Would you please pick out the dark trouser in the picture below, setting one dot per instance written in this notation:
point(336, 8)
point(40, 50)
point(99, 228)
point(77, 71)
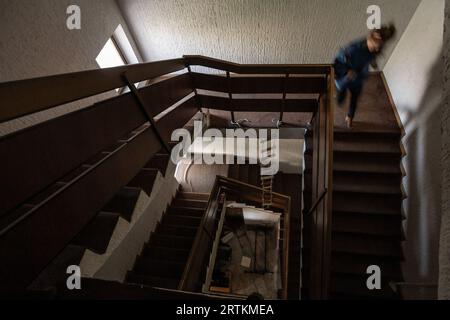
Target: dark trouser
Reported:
point(355, 88)
point(356, 92)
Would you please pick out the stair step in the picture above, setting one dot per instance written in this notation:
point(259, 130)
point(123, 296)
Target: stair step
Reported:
point(189, 203)
point(358, 264)
point(181, 220)
point(159, 162)
point(193, 196)
point(97, 234)
point(145, 180)
point(191, 212)
point(166, 253)
point(388, 226)
point(158, 268)
point(177, 230)
point(176, 242)
point(159, 282)
point(356, 286)
point(360, 142)
point(367, 203)
point(124, 202)
point(366, 245)
point(366, 183)
point(382, 164)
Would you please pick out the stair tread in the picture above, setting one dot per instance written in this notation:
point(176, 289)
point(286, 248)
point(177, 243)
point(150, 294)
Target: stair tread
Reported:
point(166, 253)
point(159, 161)
point(124, 202)
point(145, 180)
point(172, 241)
point(365, 163)
point(161, 282)
point(180, 230)
point(367, 203)
point(366, 245)
point(97, 234)
point(356, 285)
point(193, 195)
point(190, 203)
point(366, 148)
point(358, 264)
point(367, 224)
point(366, 183)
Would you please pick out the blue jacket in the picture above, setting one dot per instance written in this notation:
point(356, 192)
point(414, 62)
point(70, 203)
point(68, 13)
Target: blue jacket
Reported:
point(357, 57)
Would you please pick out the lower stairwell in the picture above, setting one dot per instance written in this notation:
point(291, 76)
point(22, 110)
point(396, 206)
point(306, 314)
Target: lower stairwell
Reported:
point(164, 257)
point(290, 185)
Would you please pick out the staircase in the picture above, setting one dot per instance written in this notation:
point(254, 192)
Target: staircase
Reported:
point(164, 256)
point(96, 235)
point(367, 217)
point(101, 160)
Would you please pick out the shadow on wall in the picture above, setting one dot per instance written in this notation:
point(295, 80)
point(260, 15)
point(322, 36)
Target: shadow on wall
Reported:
point(423, 188)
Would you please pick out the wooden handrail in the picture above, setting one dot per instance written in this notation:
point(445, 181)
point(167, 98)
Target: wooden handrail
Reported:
point(198, 60)
point(23, 97)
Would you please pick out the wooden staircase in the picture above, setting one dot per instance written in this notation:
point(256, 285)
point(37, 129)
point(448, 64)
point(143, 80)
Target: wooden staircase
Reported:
point(367, 216)
point(164, 257)
point(96, 235)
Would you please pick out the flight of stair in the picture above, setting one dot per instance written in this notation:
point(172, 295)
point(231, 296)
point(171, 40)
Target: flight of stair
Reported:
point(367, 216)
point(165, 255)
point(97, 234)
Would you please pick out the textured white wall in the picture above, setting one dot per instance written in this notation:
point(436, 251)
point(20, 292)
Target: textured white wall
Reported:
point(255, 31)
point(35, 42)
point(444, 262)
point(414, 76)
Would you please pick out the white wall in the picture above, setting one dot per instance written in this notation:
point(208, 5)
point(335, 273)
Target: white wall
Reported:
point(414, 73)
point(444, 276)
point(255, 31)
point(35, 42)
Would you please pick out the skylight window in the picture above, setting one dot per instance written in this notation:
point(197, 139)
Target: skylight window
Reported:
point(110, 56)
point(117, 52)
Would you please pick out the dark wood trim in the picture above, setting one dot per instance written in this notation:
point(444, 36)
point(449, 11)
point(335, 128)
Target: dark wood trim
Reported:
point(230, 97)
point(161, 95)
point(260, 105)
point(24, 97)
point(256, 68)
point(177, 118)
point(283, 104)
point(38, 156)
point(147, 111)
point(26, 249)
point(260, 84)
point(392, 103)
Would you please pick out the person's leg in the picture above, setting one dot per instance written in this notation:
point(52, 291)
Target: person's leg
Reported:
point(355, 92)
point(341, 89)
